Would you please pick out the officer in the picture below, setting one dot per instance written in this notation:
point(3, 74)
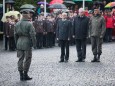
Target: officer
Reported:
point(97, 31)
point(24, 34)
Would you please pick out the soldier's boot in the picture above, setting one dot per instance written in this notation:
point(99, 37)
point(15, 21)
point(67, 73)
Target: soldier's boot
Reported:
point(94, 59)
point(21, 75)
point(98, 58)
point(26, 77)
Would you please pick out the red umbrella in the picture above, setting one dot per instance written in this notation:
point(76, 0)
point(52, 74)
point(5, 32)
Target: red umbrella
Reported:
point(56, 1)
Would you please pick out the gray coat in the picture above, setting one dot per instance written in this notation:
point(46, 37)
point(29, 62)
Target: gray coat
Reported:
point(63, 29)
point(97, 26)
point(24, 34)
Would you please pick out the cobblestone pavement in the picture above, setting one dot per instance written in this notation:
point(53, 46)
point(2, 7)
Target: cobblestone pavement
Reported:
point(46, 71)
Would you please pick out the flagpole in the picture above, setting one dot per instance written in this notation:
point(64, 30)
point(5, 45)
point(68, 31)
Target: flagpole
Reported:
point(45, 8)
point(84, 4)
point(3, 7)
point(3, 24)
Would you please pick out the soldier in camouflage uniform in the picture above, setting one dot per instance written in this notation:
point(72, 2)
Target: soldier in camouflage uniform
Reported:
point(24, 33)
point(97, 31)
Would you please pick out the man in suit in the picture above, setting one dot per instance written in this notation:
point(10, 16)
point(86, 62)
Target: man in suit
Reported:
point(24, 34)
point(81, 25)
point(63, 35)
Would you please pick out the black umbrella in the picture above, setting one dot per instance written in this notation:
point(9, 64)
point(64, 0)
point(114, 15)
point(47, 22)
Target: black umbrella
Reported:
point(98, 3)
point(58, 6)
point(69, 2)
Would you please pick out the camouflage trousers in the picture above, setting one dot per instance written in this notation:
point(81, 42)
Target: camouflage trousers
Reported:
point(96, 45)
point(24, 59)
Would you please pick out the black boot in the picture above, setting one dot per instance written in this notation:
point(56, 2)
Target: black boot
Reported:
point(21, 75)
point(98, 58)
point(94, 59)
point(26, 77)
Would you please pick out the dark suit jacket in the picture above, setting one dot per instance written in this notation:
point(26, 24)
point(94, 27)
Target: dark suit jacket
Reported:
point(63, 29)
point(81, 26)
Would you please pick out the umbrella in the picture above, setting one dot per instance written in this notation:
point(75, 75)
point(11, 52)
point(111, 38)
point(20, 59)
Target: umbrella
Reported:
point(10, 13)
point(98, 3)
point(27, 6)
point(81, 0)
point(58, 6)
point(69, 2)
point(32, 11)
point(109, 5)
point(41, 2)
point(56, 1)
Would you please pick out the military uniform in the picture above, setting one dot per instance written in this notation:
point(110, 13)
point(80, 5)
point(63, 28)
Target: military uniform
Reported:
point(39, 28)
point(97, 31)
point(50, 32)
point(6, 26)
point(10, 35)
point(25, 38)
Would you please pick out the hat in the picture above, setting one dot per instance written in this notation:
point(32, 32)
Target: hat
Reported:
point(27, 11)
point(81, 10)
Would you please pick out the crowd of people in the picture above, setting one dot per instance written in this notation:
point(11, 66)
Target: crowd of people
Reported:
point(45, 28)
point(66, 29)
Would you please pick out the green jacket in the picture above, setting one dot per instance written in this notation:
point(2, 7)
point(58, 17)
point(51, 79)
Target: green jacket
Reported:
point(24, 34)
point(97, 26)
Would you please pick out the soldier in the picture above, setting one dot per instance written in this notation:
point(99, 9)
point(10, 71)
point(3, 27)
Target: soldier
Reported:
point(63, 35)
point(6, 26)
point(39, 28)
point(50, 31)
point(25, 38)
point(10, 33)
point(97, 31)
